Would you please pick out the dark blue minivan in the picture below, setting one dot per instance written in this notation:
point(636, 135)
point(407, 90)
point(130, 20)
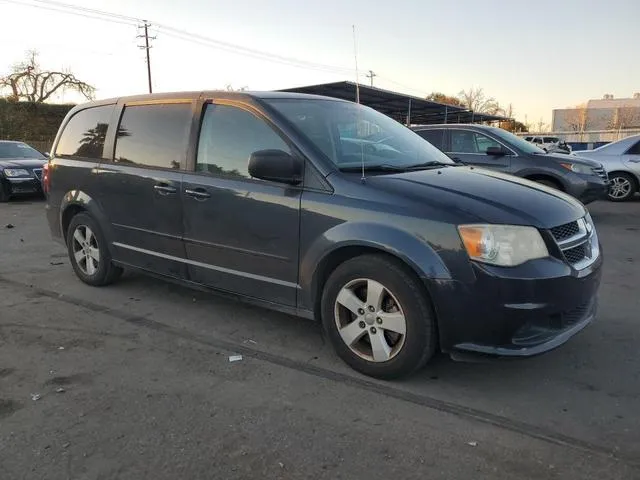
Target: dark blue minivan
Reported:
point(325, 209)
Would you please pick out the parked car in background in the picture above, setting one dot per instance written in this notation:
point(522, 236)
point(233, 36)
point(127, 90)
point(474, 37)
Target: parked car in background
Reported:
point(621, 159)
point(497, 149)
point(20, 169)
point(549, 144)
point(268, 197)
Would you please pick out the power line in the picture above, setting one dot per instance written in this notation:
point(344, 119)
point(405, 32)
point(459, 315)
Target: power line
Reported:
point(71, 12)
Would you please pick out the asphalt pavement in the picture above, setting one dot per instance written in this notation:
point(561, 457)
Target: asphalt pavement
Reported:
point(134, 381)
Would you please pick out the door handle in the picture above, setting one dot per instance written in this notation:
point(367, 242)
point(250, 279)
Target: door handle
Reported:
point(164, 189)
point(198, 193)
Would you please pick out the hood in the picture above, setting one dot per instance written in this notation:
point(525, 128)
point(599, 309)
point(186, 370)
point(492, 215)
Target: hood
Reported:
point(564, 158)
point(21, 163)
point(472, 194)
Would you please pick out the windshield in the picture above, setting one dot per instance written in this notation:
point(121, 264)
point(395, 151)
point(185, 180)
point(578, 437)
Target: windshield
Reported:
point(518, 142)
point(350, 135)
point(18, 150)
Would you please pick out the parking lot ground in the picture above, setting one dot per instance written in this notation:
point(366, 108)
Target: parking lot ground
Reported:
point(134, 381)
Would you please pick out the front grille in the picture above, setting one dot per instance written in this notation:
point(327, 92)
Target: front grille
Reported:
point(575, 242)
point(601, 172)
point(575, 254)
point(37, 172)
point(565, 231)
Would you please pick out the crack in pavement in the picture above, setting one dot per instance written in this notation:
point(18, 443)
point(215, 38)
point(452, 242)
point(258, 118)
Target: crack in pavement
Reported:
point(539, 433)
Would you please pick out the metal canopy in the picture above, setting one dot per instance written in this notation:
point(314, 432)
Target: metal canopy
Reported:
point(403, 108)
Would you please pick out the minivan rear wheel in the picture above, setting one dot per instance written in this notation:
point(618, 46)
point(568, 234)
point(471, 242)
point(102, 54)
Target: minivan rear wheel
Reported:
point(88, 252)
point(378, 317)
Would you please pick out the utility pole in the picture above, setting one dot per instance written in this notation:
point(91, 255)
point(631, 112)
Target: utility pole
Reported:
point(147, 47)
point(371, 75)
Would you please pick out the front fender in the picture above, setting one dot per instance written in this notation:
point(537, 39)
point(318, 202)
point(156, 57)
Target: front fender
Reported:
point(84, 201)
point(416, 253)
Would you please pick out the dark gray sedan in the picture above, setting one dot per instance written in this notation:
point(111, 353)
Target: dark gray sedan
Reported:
point(497, 149)
point(20, 169)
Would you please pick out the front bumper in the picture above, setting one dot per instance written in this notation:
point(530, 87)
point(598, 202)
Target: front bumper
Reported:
point(19, 185)
point(517, 312)
point(589, 188)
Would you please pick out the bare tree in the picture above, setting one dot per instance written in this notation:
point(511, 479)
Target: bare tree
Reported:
point(475, 99)
point(29, 82)
point(577, 118)
point(230, 88)
point(541, 126)
point(624, 117)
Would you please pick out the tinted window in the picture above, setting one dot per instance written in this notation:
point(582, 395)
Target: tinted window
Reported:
point(434, 137)
point(551, 139)
point(18, 150)
point(634, 150)
point(537, 140)
point(464, 141)
point(84, 134)
point(228, 137)
point(153, 135)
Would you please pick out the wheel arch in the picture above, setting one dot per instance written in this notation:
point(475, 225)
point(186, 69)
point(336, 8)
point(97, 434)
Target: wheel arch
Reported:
point(77, 201)
point(633, 175)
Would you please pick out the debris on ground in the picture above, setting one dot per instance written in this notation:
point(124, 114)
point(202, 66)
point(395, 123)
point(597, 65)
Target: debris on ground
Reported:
point(235, 358)
point(56, 263)
point(60, 390)
point(252, 342)
point(35, 397)
point(60, 348)
point(472, 444)
point(281, 464)
point(9, 225)
point(66, 445)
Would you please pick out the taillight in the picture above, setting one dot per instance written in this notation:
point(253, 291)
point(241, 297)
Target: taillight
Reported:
point(46, 181)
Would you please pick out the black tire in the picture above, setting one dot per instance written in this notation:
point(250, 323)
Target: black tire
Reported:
point(106, 272)
point(4, 192)
point(622, 178)
point(420, 339)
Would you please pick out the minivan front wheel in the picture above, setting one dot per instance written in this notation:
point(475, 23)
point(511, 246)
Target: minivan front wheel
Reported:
point(378, 317)
point(88, 252)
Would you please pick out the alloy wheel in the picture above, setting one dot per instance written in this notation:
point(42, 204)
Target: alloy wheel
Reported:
point(370, 320)
point(86, 251)
point(620, 187)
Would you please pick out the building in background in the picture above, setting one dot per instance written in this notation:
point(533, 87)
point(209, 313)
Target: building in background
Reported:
point(598, 121)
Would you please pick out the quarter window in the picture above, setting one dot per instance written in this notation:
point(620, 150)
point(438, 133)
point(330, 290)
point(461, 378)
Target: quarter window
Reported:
point(84, 134)
point(153, 135)
point(228, 137)
point(634, 150)
point(464, 141)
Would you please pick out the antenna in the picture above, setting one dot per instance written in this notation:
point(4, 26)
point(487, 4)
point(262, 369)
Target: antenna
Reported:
point(355, 56)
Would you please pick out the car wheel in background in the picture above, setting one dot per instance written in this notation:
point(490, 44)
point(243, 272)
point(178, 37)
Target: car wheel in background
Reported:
point(623, 187)
point(88, 252)
point(378, 317)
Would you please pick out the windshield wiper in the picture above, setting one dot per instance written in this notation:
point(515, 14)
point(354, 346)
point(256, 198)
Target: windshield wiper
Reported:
point(374, 168)
point(432, 163)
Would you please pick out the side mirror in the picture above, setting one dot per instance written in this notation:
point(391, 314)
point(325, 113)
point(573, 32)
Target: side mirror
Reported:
point(275, 166)
point(496, 151)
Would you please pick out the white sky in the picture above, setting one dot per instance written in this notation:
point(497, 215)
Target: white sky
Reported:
point(537, 55)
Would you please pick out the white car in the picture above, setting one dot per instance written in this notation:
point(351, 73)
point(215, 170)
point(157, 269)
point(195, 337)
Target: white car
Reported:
point(549, 144)
point(621, 160)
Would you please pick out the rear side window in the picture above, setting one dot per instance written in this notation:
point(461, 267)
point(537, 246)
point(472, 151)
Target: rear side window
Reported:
point(434, 137)
point(229, 136)
point(153, 135)
point(550, 139)
point(634, 150)
point(84, 134)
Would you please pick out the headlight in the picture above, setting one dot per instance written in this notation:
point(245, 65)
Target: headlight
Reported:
point(504, 245)
point(577, 168)
point(16, 172)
